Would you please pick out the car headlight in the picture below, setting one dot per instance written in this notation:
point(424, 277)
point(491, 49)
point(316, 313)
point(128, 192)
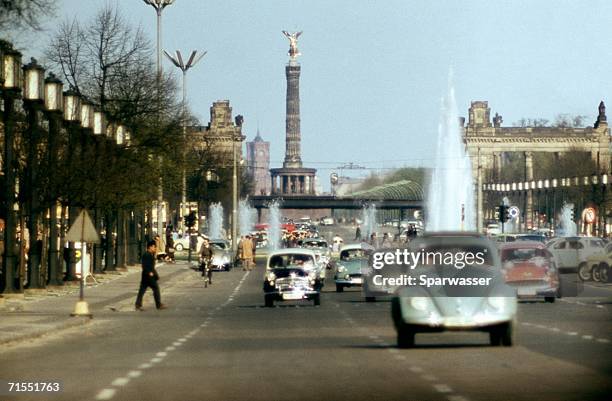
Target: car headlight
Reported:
point(497, 302)
point(341, 268)
point(419, 303)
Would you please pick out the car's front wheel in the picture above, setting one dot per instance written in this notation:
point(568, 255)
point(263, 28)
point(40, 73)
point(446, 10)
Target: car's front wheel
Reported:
point(550, 300)
point(584, 272)
point(604, 273)
point(501, 335)
point(178, 247)
point(370, 299)
point(596, 273)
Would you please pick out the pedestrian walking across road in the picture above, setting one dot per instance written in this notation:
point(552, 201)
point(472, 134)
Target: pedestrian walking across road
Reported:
point(149, 277)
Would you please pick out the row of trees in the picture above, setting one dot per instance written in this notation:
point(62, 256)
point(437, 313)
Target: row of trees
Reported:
point(110, 63)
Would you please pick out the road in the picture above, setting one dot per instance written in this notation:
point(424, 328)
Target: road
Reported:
point(220, 343)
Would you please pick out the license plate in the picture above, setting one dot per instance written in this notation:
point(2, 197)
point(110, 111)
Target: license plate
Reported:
point(293, 296)
point(357, 280)
point(526, 291)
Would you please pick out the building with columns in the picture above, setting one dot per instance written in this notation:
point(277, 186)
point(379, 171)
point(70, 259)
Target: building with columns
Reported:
point(487, 142)
point(258, 164)
point(293, 178)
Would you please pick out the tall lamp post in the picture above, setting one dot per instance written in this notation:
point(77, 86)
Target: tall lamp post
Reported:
point(72, 118)
point(33, 99)
point(53, 110)
point(159, 6)
point(237, 139)
point(10, 63)
point(191, 62)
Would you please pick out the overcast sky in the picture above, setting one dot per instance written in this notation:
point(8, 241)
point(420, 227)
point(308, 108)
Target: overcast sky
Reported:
point(374, 72)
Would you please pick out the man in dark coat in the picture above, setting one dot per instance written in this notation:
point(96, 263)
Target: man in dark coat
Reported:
point(149, 277)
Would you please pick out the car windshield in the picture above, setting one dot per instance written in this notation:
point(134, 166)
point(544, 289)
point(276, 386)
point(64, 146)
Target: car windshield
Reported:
point(358, 253)
point(292, 259)
point(218, 245)
point(539, 238)
point(315, 244)
point(522, 254)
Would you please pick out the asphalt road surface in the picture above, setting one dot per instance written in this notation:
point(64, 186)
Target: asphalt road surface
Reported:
point(220, 343)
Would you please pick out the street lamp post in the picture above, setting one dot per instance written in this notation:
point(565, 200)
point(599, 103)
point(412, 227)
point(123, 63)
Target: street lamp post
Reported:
point(191, 62)
point(237, 139)
point(53, 110)
point(159, 6)
point(72, 117)
point(33, 100)
point(10, 63)
point(99, 131)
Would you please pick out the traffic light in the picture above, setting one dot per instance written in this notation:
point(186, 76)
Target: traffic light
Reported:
point(190, 219)
point(503, 211)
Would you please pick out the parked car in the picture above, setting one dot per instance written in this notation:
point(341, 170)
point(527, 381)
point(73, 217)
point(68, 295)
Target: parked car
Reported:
point(423, 309)
point(597, 266)
point(222, 257)
point(182, 243)
point(349, 267)
point(571, 253)
point(292, 275)
point(530, 268)
point(327, 221)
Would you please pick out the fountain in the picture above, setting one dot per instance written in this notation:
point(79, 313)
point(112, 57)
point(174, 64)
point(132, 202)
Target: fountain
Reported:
point(567, 226)
point(215, 221)
point(368, 214)
point(246, 217)
point(274, 225)
point(450, 202)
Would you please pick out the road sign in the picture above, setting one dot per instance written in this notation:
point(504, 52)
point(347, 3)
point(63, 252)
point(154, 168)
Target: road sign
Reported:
point(83, 230)
point(514, 212)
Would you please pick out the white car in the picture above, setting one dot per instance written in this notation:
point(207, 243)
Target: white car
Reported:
point(571, 252)
point(181, 244)
point(423, 309)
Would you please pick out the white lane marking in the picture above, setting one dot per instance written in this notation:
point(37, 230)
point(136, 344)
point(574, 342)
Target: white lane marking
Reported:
point(170, 348)
point(392, 350)
point(416, 369)
point(134, 374)
point(587, 337)
point(455, 397)
point(555, 329)
point(161, 354)
point(429, 378)
point(156, 360)
point(442, 388)
point(182, 340)
point(120, 381)
point(603, 340)
point(144, 366)
point(106, 394)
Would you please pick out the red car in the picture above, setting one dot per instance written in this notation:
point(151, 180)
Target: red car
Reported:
point(530, 268)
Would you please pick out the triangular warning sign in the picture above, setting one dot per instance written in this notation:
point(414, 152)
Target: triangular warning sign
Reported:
point(83, 230)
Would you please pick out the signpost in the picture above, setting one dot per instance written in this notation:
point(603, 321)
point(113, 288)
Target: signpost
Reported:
point(83, 231)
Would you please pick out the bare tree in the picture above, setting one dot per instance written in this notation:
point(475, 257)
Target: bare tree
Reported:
point(24, 14)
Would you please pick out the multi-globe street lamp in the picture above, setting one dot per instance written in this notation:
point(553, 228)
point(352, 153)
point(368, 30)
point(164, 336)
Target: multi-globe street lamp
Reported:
point(10, 65)
point(184, 67)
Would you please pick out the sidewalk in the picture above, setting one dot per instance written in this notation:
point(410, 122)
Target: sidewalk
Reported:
point(42, 312)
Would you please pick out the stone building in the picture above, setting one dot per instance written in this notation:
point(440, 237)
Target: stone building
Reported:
point(487, 142)
point(258, 164)
point(220, 132)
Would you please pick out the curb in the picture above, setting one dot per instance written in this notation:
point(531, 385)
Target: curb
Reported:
point(43, 331)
